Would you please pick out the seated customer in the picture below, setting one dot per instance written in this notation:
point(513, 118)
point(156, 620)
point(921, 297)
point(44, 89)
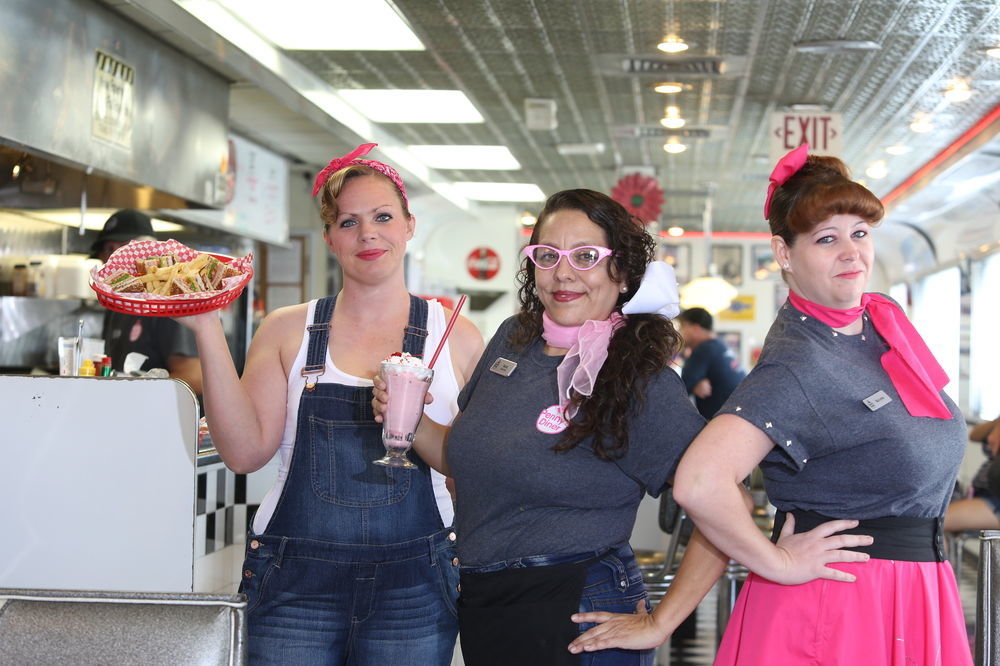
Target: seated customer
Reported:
point(982, 510)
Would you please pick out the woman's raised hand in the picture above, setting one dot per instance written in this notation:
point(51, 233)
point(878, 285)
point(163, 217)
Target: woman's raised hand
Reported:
point(637, 631)
point(200, 321)
point(805, 556)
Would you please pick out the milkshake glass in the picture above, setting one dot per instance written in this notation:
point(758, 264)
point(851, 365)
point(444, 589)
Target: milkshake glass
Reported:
point(407, 381)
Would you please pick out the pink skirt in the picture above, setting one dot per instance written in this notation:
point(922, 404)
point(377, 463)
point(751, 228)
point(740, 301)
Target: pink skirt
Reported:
point(895, 614)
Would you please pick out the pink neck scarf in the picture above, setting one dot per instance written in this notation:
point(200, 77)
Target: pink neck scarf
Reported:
point(914, 372)
point(588, 349)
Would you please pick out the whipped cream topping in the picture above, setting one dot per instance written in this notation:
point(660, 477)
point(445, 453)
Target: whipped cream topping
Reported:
point(405, 358)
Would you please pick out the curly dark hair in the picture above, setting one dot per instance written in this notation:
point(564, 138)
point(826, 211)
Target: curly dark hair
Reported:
point(639, 349)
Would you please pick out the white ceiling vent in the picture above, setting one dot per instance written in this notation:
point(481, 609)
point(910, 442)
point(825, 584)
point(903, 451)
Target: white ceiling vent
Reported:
point(677, 67)
point(659, 132)
point(540, 114)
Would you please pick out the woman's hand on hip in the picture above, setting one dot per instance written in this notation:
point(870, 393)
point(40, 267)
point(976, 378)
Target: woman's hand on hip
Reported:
point(805, 556)
point(637, 631)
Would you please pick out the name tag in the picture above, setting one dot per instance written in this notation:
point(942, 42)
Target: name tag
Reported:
point(503, 367)
point(550, 420)
point(877, 400)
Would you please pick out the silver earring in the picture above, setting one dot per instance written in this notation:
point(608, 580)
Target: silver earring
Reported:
point(785, 266)
point(623, 288)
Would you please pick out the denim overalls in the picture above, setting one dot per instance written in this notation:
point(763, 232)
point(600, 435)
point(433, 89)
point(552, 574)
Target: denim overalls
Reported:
point(355, 566)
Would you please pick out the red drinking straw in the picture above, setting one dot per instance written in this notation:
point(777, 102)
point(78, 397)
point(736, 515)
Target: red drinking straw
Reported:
point(447, 330)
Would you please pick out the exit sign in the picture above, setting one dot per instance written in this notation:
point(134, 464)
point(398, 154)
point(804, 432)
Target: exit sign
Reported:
point(823, 132)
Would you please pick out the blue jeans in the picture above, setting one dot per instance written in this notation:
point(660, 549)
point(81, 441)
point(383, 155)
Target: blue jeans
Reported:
point(613, 584)
point(313, 602)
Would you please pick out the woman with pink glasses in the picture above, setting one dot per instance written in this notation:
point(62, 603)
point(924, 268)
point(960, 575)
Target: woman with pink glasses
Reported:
point(570, 417)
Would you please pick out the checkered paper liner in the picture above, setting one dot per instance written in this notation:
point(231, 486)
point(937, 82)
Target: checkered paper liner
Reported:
point(166, 306)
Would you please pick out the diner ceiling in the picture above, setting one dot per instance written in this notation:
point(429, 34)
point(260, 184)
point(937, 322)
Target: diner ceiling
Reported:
point(502, 52)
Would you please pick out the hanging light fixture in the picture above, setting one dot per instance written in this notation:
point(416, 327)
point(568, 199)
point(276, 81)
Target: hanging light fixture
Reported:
point(711, 291)
point(668, 88)
point(672, 118)
point(671, 43)
point(898, 149)
point(921, 123)
point(674, 146)
point(877, 170)
point(957, 91)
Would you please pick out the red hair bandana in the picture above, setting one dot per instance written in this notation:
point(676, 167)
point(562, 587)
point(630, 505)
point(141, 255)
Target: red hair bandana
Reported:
point(785, 169)
point(338, 163)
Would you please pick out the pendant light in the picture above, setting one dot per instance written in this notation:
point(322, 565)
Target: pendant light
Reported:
point(672, 118)
point(671, 43)
point(710, 291)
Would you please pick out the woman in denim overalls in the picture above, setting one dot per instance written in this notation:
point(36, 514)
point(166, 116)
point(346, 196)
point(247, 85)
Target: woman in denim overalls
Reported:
point(347, 562)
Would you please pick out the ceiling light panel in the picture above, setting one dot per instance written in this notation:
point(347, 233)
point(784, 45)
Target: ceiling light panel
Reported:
point(413, 106)
point(521, 192)
point(330, 25)
point(489, 158)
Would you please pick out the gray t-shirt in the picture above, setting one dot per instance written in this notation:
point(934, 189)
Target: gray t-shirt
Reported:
point(517, 497)
point(833, 454)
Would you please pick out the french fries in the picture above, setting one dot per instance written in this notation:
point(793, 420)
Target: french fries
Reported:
point(166, 276)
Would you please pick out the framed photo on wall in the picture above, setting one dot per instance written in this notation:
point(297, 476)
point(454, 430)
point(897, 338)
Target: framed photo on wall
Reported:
point(763, 265)
point(678, 256)
point(733, 340)
point(728, 261)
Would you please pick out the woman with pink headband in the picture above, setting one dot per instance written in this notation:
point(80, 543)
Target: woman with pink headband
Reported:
point(845, 415)
point(347, 562)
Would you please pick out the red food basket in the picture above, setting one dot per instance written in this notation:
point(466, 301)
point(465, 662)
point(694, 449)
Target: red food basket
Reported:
point(152, 305)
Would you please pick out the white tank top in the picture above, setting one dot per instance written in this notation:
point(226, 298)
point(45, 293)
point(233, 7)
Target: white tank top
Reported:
point(444, 388)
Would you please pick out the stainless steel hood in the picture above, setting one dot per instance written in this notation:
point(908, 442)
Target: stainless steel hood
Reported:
point(29, 180)
point(93, 102)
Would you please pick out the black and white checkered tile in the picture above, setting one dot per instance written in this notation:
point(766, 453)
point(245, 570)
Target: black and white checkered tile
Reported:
point(222, 514)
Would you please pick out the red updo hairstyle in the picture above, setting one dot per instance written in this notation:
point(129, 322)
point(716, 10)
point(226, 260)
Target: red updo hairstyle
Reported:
point(819, 190)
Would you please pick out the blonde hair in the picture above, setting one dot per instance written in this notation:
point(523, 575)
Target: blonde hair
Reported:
point(328, 208)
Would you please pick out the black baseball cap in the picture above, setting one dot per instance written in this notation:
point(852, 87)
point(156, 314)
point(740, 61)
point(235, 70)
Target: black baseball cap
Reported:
point(125, 225)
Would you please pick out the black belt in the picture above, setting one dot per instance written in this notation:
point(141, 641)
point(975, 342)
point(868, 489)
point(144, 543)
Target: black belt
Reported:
point(896, 537)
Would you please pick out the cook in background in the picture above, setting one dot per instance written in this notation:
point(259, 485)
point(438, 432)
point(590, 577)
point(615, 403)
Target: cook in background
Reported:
point(164, 342)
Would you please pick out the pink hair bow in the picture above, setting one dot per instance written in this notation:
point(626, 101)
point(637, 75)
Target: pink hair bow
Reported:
point(338, 163)
point(785, 169)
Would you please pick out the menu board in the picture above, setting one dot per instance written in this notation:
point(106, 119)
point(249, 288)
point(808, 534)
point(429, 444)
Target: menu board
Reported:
point(254, 189)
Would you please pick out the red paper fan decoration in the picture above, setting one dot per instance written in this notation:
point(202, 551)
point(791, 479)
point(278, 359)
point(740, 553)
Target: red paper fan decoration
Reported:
point(641, 195)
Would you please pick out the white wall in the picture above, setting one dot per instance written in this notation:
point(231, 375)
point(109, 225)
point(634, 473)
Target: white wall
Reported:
point(303, 217)
point(443, 241)
point(766, 294)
